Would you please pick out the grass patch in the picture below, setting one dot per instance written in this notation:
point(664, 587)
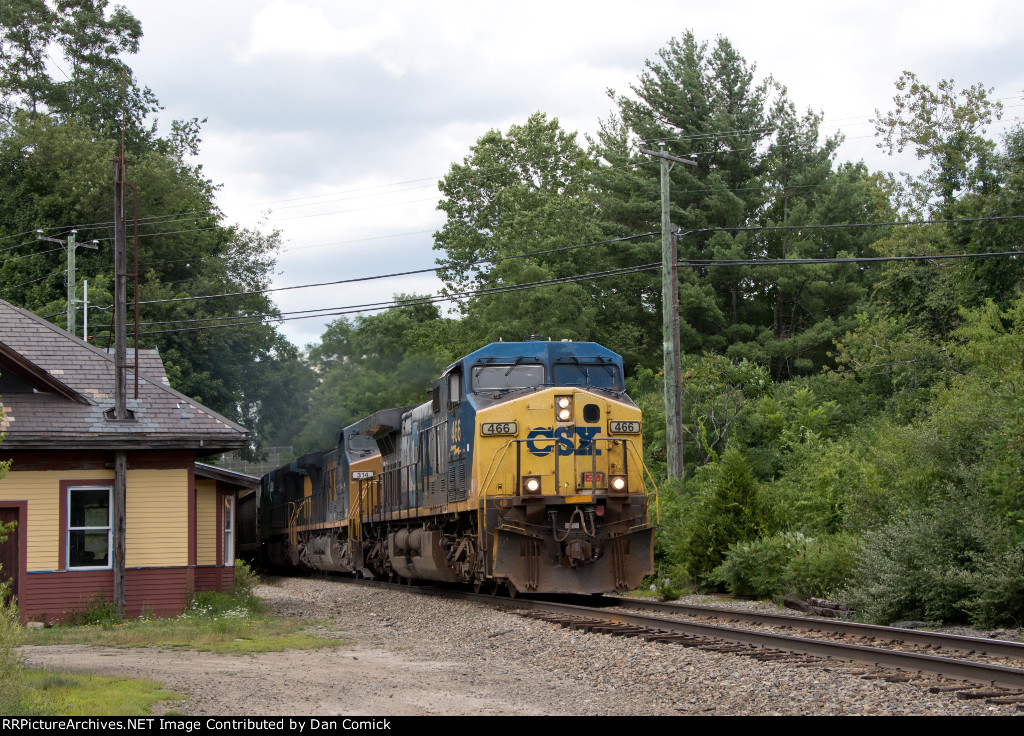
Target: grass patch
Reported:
point(43, 692)
point(248, 635)
point(214, 622)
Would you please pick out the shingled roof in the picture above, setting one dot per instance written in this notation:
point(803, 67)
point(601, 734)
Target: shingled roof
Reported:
point(57, 392)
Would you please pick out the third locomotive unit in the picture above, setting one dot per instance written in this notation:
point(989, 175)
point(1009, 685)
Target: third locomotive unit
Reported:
point(523, 470)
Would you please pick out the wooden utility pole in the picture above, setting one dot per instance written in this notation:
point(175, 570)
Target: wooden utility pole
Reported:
point(70, 245)
point(670, 321)
point(120, 384)
point(71, 282)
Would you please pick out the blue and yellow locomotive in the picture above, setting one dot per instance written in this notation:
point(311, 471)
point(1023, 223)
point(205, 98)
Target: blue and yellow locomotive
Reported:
point(524, 470)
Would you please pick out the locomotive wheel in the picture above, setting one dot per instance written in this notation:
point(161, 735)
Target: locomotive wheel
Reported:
point(493, 586)
point(513, 591)
point(478, 585)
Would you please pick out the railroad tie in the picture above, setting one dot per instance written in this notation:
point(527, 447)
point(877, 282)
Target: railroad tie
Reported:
point(1010, 700)
point(951, 688)
point(982, 694)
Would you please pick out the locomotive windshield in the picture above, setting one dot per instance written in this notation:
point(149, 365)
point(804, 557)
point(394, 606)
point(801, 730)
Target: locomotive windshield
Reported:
point(360, 443)
point(507, 377)
point(592, 375)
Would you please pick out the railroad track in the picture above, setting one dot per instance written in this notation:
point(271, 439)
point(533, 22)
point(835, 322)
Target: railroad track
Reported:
point(875, 635)
point(897, 655)
point(998, 683)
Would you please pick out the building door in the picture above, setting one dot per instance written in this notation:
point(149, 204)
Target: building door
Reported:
point(9, 563)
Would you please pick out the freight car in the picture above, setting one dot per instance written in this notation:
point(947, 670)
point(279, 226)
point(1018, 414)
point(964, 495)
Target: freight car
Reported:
point(524, 471)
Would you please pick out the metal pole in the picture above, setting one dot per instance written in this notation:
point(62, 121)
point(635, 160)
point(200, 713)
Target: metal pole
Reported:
point(85, 310)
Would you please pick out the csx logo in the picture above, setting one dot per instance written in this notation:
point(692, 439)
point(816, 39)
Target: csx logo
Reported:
point(542, 440)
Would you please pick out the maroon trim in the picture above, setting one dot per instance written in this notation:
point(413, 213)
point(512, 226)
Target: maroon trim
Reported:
point(192, 554)
point(62, 544)
point(219, 557)
point(214, 577)
point(22, 508)
point(164, 591)
point(96, 460)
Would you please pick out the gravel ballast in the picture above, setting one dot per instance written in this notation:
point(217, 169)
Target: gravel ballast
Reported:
point(420, 655)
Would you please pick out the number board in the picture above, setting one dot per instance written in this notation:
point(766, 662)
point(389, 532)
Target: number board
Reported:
point(362, 474)
point(487, 428)
point(616, 427)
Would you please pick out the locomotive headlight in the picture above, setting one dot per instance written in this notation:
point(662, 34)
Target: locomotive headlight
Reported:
point(563, 408)
point(531, 484)
point(618, 482)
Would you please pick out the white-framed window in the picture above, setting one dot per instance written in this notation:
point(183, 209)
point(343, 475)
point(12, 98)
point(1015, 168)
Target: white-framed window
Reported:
point(228, 514)
point(90, 542)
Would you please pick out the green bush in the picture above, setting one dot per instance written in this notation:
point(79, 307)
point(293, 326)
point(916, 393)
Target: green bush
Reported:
point(788, 564)
point(727, 509)
point(999, 588)
point(756, 568)
point(954, 564)
point(98, 612)
point(11, 690)
point(822, 567)
point(246, 579)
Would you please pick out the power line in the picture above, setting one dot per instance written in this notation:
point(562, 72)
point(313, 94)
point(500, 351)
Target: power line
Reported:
point(455, 296)
point(498, 169)
point(29, 255)
point(400, 273)
point(375, 306)
point(587, 245)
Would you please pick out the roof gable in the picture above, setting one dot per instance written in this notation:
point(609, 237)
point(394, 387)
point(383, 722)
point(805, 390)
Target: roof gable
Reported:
point(32, 377)
point(69, 390)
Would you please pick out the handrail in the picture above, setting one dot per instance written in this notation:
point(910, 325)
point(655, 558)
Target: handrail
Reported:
point(657, 505)
point(293, 532)
point(488, 475)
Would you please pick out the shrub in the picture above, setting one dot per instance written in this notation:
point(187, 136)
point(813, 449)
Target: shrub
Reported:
point(955, 564)
point(98, 612)
point(756, 568)
point(822, 567)
point(998, 586)
point(246, 580)
point(727, 511)
point(11, 690)
point(788, 564)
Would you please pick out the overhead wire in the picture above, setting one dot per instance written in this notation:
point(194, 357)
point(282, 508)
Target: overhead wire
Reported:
point(433, 269)
point(375, 306)
point(452, 296)
point(243, 320)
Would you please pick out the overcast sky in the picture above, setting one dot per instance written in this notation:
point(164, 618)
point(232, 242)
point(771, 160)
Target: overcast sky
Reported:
point(332, 121)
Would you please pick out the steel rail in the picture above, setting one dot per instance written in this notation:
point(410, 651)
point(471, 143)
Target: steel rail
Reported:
point(954, 642)
point(969, 671)
point(985, 674)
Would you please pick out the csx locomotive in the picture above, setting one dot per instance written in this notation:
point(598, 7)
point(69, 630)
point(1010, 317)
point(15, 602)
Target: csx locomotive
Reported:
point(524, 471)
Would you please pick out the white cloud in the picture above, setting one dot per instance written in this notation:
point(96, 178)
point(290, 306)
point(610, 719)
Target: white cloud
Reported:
point(308, 31)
